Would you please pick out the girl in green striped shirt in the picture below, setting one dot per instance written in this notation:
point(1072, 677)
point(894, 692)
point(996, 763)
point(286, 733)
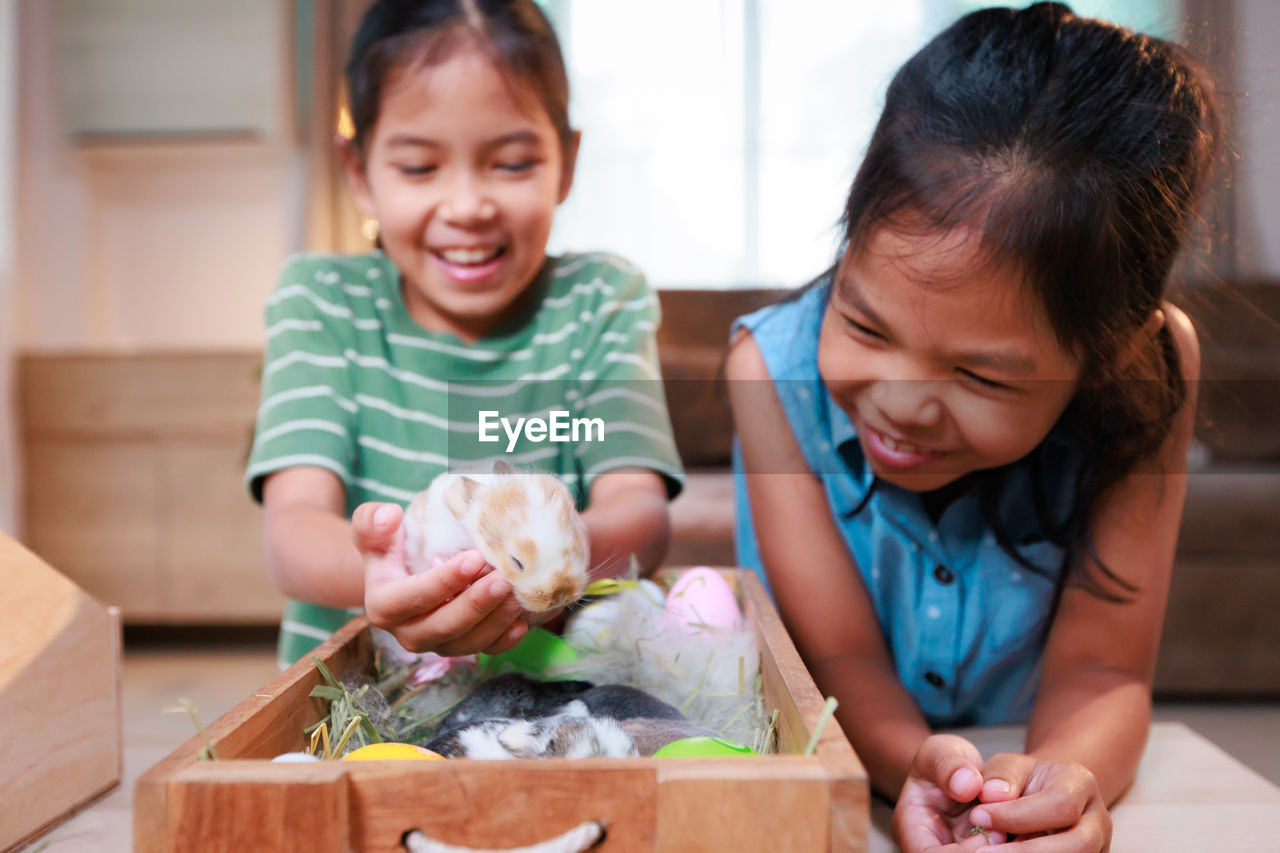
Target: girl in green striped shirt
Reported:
point(448, 344)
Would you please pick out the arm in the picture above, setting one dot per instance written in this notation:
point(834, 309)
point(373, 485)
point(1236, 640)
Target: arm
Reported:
point(310, 555)
point(1090, 721)
point(818, 588)
point(1094, 704)
point(627, 514)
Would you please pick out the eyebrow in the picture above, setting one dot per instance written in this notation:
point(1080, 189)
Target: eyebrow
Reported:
point(1012, 361)
point(409, 140)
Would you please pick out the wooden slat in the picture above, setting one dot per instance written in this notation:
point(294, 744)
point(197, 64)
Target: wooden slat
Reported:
point(744, 805)
point(91, 510)
point(138, 395)
point(210, 549)
point(789, 687)
point(230, 807)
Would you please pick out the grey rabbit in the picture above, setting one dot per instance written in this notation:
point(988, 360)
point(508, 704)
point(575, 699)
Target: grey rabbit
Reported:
point(514, 696)
point(572, 734)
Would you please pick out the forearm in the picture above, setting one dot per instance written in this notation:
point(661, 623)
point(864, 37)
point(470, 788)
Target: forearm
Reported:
point(310, 556)
point(626, 522)
point(878, 716)
point(1095, 717)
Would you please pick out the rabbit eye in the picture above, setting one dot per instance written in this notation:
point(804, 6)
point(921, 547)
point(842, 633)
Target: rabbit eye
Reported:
point(519, 565)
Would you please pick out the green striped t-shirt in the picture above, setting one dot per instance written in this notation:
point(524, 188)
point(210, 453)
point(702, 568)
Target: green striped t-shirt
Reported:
point(351, 383)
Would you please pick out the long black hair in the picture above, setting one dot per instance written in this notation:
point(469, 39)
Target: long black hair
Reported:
point(1083, 149)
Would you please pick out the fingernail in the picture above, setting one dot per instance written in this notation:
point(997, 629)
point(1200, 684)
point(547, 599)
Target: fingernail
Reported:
point(499, 587)
point(980, 817)
point(963, 779)
point(471, 565)
point(384, 515)
point(995, 788)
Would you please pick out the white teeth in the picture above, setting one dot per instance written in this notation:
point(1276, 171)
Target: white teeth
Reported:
point(469, 256)
point(899, 446)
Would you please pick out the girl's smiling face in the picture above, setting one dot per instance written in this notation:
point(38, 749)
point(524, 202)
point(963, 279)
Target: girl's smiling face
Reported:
point(939, 360)
point(463, 172)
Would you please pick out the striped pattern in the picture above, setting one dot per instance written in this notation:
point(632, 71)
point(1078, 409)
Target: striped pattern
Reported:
point(353, 385)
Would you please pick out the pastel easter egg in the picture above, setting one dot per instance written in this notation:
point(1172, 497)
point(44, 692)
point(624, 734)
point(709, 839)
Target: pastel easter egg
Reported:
point(295, 758)
point(392, 752)
point(702, 598)
point(704, 747)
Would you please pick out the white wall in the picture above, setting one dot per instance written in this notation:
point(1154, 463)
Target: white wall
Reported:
point(9, 474)
point(169, 245)
point(1258, 135)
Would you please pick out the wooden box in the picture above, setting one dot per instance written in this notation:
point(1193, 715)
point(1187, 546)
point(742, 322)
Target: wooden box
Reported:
point(786, 802)
point(60, 745)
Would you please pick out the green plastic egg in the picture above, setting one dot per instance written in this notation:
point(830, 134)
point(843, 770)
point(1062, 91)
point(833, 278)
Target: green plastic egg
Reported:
point(538, 652)
point(704, 747)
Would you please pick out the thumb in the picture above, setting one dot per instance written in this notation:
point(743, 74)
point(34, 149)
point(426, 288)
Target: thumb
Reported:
point(374, 526)
point(953, 764)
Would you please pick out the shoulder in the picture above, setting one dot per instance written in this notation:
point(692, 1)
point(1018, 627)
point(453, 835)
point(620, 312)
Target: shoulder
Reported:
point(334, 285)
point(744, 361)
point(594, 277)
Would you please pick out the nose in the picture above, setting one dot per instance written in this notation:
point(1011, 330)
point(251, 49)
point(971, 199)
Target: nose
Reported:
point(909, 403)
point(466, 201)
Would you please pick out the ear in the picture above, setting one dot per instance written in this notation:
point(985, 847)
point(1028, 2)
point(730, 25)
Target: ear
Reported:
point(460, 496)
point(353, 168)
point(503, 467)
point(570, 165)
point(1139, 340)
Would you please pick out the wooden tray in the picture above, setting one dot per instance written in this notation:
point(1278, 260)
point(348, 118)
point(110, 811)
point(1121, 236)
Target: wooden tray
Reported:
point(787, 802)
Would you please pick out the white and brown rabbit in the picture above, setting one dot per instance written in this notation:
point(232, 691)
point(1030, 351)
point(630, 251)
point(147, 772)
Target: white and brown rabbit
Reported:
point(525, 525)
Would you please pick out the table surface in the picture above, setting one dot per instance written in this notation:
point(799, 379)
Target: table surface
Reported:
point(1188, 795)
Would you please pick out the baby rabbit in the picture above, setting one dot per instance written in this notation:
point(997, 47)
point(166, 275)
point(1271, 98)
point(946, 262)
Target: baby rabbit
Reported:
point(568, 735)
point(524, 523)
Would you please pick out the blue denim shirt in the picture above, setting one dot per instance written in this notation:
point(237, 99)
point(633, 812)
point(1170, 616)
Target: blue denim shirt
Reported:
point(964, 620)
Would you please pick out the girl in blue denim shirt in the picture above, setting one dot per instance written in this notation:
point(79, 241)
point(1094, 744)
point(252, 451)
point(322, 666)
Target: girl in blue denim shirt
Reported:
point(963, 448)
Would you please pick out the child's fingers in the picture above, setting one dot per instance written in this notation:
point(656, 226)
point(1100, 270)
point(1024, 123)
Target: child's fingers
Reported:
point(391, 599)
point(440, 629)
point(374, 525)
point(510, 639)
point(490, 629)
point(1059, 807)
point(1005, 776)
point(1092, 835)
point(953, 764)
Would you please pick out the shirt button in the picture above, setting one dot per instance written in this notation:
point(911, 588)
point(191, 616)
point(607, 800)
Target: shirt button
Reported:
point(934, 679)
point(943, 575)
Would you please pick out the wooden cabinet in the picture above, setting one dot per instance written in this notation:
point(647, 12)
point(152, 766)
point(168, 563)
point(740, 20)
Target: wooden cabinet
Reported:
point(132, 469)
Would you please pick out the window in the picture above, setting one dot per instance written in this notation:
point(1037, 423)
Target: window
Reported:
point(720, 136)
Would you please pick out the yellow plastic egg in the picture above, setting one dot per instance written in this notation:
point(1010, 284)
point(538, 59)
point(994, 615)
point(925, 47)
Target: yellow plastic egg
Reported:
point(392, 752)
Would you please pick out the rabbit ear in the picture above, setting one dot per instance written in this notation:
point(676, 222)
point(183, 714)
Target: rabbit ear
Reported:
point(503, 467)
point(460, 495)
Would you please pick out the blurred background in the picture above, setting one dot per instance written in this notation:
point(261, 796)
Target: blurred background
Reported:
point(160, 158)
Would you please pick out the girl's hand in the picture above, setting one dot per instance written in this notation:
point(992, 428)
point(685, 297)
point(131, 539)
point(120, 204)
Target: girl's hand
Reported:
point(1052, 806)
point(933, 809)
point(454, 608)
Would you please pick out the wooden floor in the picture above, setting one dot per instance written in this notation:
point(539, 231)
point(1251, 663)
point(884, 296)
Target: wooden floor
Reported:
point(217, 677)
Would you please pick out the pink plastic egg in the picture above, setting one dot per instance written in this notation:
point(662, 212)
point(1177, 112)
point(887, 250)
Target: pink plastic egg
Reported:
point(702, 599)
